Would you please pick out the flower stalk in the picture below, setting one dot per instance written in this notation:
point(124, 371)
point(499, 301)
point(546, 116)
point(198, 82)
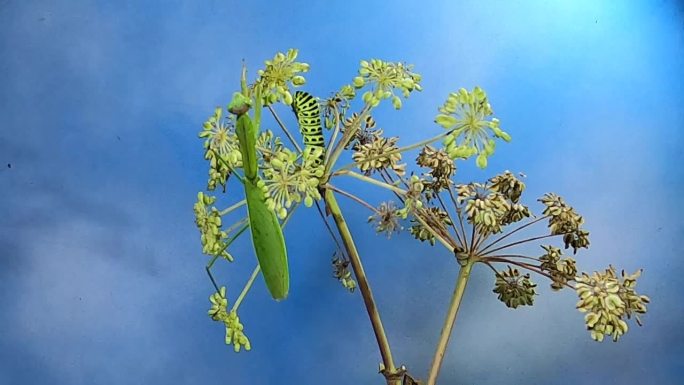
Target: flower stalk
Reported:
point(363, 285)
point(449, 321)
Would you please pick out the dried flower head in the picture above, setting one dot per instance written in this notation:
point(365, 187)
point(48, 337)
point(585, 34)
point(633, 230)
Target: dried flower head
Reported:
point(378, 155)
point(514, 289)
point(341, 273)
point(484, 208)
point(564, 220)
point(413, 198)
point(516, 213)
point(366, 134)
point(508, 185)
point(386, 219)
point(467, 116)
point(560, 269)
point(335, 108)
point(436, 218)
point(607, 300)
point(441, 166)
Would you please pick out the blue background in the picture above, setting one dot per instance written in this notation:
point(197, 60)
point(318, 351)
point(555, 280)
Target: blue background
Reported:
point(101, 276)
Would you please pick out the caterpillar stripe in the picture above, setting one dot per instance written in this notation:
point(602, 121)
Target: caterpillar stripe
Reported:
point(308, 113)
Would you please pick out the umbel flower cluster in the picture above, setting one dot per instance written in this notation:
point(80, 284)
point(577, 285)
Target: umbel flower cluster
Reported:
point(514, 289)
point(208, 221)
point(489, 208)
point(221, 148)
point(607, 300)
point(286, 181)
point(564, 220)
point(561, 270)
point(442, 169)
point(467, 116)
point(378, 154)
point(384, 78)
point(279, 73)
point(234, 328)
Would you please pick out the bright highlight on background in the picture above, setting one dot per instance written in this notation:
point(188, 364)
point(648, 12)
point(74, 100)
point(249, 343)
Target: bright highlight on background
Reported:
point(101, 272)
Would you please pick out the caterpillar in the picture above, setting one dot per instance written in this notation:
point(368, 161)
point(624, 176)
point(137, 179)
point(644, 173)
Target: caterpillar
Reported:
point(308, 113)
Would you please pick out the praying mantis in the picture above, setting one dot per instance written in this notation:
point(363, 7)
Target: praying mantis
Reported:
point(267, 236)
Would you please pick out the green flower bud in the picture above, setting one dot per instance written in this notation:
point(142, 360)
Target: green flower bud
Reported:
point(446, 121)
point(396, 102)
point(481, 161)
point(298, 80)
point(358, 82)
point(367, 97)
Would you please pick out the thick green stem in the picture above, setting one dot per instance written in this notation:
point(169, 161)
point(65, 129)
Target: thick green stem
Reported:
point(443, 342)
point(364, 286)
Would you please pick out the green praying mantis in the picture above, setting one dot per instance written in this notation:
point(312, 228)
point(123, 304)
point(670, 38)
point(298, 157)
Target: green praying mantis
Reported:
point(267, 235)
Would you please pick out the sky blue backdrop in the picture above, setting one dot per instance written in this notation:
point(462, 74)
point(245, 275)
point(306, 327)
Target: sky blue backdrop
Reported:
point(101, 276)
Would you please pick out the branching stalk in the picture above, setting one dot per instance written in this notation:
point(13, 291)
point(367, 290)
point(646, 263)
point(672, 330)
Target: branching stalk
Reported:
point(233, 207)
point(519, 242)
point(461, 282)
point(512, 232)
point(449, 245)
point(348, 135)
point(353, 197)
point(364, 286)
point(373, 181)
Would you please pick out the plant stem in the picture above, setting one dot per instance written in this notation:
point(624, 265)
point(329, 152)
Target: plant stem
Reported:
point(511, 233)
point(232, 170)
point(348, 135)
point(373, 181)
point(449, 246)
point(245, 289)
point(333, 137)
point(453, 223)
point(461, 282)
point(532, 268)
point(460, 218)
point(519, 242)
point(231, 240)
point(353, 197)
point(233, 207)
point(364, 286)
point(285, 130)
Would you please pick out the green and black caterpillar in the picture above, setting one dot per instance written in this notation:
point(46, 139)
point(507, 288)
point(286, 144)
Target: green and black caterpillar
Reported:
point(308, 113)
